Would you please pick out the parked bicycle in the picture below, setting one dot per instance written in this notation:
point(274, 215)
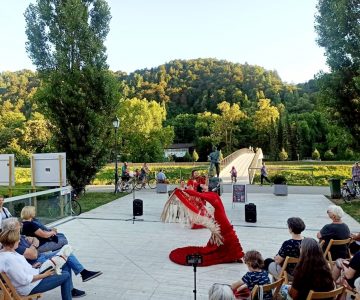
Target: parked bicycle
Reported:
point(350, 190)
point(149, 181)
point(71, 207)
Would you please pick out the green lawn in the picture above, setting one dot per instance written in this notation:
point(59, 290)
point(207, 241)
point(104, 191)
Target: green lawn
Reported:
point(93, 200)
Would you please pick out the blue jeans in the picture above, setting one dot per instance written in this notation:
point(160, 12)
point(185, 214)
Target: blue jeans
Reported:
point(72, 262)
point(54, 281)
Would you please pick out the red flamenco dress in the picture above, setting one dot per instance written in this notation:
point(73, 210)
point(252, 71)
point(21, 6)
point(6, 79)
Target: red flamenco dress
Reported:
point(190, 207)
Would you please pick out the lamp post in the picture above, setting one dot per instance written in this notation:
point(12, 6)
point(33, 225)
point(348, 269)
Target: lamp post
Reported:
point(116, 123)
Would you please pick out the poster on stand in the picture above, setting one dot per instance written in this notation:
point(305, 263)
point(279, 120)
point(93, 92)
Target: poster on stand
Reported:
point(239, 193)
point(7, 170)
point(48, 169)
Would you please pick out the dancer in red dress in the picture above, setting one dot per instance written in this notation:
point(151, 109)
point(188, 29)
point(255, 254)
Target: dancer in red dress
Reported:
point(187, 206)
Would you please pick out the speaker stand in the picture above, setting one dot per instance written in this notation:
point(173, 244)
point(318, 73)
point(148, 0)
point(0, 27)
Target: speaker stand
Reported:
point(133, 219)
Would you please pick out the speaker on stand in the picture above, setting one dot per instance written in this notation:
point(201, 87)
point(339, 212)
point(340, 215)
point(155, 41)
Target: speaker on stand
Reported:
point(137, 208)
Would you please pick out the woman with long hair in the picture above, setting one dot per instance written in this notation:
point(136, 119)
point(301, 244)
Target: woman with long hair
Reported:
point(312, 272)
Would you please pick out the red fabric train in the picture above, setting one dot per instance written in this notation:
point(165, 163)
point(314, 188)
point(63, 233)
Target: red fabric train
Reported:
point(190, 207)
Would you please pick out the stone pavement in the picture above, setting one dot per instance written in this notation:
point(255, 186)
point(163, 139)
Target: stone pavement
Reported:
point(134, 257)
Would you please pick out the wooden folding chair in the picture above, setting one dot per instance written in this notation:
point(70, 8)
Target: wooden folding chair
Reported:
point(274, 287)
point(327, 252)
point(334, 294)
point(283, 273)
point(10, 292)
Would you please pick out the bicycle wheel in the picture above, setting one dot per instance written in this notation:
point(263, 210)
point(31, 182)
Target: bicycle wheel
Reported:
point(75, 208)
point(345, 194)
point(152, 183)
point(138, 184)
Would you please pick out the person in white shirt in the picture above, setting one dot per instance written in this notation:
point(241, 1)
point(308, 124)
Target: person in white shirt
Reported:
point(4, 212)
point(23, 276)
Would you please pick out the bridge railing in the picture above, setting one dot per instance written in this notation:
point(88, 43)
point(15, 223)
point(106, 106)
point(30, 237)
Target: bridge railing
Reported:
point(256, 162)
point(230, 158)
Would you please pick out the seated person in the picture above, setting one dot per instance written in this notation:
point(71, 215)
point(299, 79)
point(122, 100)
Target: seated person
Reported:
point(137, 173)
point(28, 248)
point(23, 276)
point(288, 248)
point(196, 182)
point(221, 291)
point(161, 177)
point(347, 271)
point(355, 245)
point(255, 276)
point(50, 239)
point(125, 173)
point(4, 212)
point(337, 230)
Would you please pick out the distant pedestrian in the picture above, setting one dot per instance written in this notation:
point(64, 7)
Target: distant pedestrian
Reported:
point(264, 174)
point(355, 173)
point(233, 174)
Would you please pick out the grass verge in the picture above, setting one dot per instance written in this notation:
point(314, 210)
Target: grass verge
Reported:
point(91, 200)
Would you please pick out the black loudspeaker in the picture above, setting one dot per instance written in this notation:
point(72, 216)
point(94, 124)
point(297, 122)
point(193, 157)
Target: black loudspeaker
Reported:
point(137, 207)
point(250, 212)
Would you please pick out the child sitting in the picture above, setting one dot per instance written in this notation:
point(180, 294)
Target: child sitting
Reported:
point(255, 276)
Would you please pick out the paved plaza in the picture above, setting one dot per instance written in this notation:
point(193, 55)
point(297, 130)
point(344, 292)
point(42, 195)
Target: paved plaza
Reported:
point(134, 257)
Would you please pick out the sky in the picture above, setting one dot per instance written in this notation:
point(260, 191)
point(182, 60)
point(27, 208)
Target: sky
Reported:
point(277, 35)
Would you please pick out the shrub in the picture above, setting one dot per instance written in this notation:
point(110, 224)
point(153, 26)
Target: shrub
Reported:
point(283, 155)
point(195, 155)
point(187, 157)
point(329, 155)
point(316, 154)
point(349, 154)
point(279, 179)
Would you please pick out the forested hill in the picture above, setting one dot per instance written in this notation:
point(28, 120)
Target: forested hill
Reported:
point(192, 86)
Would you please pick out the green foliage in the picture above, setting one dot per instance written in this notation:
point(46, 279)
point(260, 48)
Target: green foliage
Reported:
point(316, 154)
point(279, 179)
point(78, 94)
point(337, 26)
point(195, 156)
point(283, 155)
point(349, 153)
point(329, 155)
point(187, 157)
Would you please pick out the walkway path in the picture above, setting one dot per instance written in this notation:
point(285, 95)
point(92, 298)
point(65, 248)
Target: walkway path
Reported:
point(241, 164)
point(134, 257)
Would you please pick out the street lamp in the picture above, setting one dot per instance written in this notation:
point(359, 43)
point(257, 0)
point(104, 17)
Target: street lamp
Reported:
point(116, 123)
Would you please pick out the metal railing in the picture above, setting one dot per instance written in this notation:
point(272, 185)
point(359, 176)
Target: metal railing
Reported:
point(230, 158)
point(255, 164)
point(271, 169)
point(50, 204)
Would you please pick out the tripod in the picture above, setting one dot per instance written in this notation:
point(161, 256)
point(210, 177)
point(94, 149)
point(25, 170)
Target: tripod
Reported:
point(194, 290)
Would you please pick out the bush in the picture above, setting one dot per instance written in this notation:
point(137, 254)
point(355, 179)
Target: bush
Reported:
point(329, 155)
point(283, 155)
point(195, 156)
point(316, 154)
point(349, 154)
point(187, 157)
point(279, 179)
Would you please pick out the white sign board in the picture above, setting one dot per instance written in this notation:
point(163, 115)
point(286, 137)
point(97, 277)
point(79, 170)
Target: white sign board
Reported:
point(48, 169)
point(7, 169)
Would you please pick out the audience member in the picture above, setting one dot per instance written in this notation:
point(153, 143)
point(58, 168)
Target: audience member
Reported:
point(256, 274)
point(288, 248)
point(347, 271)
point(312, 272)
point(28, 248)
point(50, 239)
point(220, 291)
point(4, 212)
point(337, 230)
point(23, 276)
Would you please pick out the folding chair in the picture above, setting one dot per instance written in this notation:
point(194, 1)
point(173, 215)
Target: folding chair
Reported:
point(274, 287)
point(327, 252)
point(10, 292)
point(323, 295)
point(283, 273)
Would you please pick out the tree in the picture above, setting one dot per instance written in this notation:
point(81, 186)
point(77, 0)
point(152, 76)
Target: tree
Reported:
point(338, 29)
point(316, 154)
point(78, 94)
point(195, 156)
point(265, 115)
point(283, 155)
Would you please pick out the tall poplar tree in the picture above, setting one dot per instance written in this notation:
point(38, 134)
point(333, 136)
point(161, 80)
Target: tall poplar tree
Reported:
point(78, 94)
